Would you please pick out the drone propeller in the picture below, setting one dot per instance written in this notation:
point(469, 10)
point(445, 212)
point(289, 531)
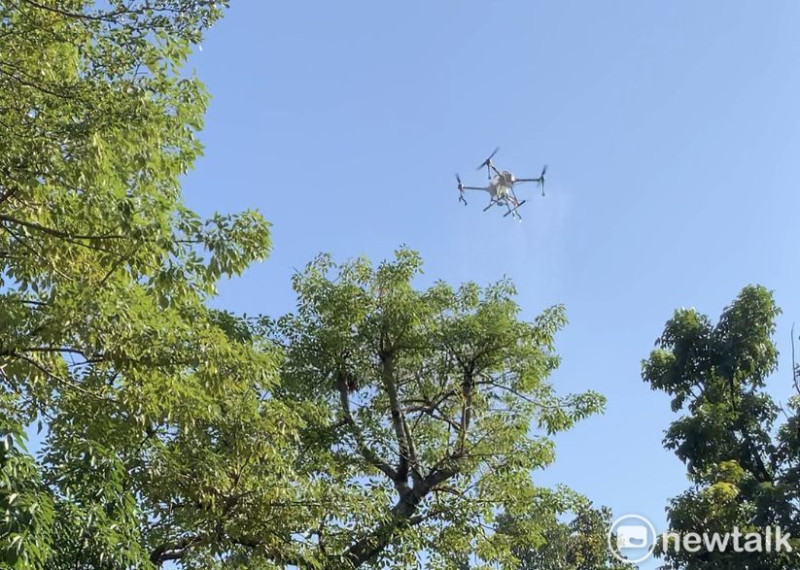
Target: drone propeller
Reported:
point(460, 190)
point(488, 162)
point(541, 178)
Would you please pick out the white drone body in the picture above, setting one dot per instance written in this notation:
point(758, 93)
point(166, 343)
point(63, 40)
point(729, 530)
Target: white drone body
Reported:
point(500, 187)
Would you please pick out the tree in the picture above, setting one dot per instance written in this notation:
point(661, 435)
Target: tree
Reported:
point(744, 467)
point(420, 405)
point(581, 543)
point(105, 334)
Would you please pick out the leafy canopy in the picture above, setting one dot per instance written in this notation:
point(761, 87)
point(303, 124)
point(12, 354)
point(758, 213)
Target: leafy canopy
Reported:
point(421, 405)
point(743, 464)
point(579, 543)
point(104, 274)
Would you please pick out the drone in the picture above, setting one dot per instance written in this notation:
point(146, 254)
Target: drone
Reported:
point(501, 187)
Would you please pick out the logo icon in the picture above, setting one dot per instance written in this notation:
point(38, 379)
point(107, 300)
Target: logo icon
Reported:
point(631, 536)
point(632, 533)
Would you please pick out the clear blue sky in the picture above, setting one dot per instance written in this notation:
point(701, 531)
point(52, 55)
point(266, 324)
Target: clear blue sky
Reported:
point(670, 128)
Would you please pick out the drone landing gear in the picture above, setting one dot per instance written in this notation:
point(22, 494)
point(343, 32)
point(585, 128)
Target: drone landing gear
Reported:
point(514, 210)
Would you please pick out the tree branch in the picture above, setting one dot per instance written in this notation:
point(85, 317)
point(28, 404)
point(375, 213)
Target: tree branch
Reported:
point(390, 384)
point(368, 454)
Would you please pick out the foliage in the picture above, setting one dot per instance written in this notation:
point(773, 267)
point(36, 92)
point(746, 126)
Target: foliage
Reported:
point(104, 276)
point(27, 507)
point(744, 468)
point(580, 543)
point(422, 405)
